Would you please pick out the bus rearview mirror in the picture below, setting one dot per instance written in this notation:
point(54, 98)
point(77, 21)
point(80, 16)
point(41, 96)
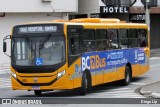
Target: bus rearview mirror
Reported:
point(4, 46)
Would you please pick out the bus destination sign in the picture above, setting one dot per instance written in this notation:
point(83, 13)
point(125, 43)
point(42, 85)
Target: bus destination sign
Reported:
point(37, 29)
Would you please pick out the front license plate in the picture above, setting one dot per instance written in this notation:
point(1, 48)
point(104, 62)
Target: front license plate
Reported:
point(35, 87)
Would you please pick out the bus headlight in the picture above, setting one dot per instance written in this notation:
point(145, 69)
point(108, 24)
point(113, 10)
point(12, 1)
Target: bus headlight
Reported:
point(14, 75)
point(60, 74)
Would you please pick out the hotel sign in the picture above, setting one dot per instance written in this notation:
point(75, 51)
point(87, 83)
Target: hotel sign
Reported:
point(111, 9)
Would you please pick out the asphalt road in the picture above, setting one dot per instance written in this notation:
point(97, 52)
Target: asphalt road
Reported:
point(111, 90)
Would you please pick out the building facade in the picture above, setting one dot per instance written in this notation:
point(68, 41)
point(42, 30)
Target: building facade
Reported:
point(13, 12)
point(126, 10)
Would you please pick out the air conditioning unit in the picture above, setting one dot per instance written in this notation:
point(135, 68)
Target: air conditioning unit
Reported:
point(46, 0)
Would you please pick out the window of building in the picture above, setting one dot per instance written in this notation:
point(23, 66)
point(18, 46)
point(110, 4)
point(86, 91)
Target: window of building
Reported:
point(132, 37)
point(101, 40)
point(113, 38)
point(152, 2)
point(77, 16)
point(123, 39)
point(111, 2)
point(125, 2)
point(89, 40)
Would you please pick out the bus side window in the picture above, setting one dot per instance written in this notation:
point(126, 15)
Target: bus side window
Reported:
point(123, 38)
point(89, 40)
point(142, 37)
point(132, 37)
point(75, 44)
point(101, 40)
point(113, 38)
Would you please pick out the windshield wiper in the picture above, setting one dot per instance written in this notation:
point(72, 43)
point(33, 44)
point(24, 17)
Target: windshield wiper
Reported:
point(41, 46)
point(29, 44)
point(27, 41)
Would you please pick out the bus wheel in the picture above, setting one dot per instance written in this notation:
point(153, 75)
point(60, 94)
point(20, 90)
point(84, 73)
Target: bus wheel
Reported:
point(83, 89)
point(128, 77)
point(37, 92)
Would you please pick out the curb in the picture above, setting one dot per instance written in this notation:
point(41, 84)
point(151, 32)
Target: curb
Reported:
point(145, 92)
point(149, 92)
point(155, 95)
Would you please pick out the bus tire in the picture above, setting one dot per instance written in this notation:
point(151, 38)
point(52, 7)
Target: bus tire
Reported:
point(128, 76)
point(37, 92)
point(83, 89)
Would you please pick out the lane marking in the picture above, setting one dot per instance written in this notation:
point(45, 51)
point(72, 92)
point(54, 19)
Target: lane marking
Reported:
point(5, 83)
point(152, 58)
point(135, 83)
point(5, 71)
point(116, 92)
point(6, 86)
point(155, 65)
point(119, 95)
point(5, 79)
point(124, 93)
point(137, 96)
point(120, 89)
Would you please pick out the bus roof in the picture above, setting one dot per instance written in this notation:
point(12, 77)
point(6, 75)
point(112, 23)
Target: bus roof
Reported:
point(94, 22)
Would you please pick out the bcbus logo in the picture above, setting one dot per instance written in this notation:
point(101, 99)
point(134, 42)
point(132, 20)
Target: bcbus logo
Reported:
point(93, 62)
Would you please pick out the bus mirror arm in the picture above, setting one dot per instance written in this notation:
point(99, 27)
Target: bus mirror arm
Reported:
point(5, 44)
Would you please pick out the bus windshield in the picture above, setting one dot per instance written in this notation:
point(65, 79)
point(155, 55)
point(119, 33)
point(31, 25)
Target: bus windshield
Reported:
point(38, 49)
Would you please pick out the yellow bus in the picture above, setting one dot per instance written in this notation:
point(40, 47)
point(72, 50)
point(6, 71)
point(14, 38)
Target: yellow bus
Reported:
point(77, 54)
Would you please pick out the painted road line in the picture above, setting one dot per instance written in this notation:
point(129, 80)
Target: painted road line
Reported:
point(118, 94)
point(3, 78)
point(120, 89)
point(136, 83)
point(6, 71)
point(5, 82)
point(129, 96)
point(7, 86)
point(1, 81)
point(123, 91)
point(155, 65)
point(152, 58)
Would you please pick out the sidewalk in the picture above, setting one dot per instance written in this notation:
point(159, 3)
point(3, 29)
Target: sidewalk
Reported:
point(152, 90)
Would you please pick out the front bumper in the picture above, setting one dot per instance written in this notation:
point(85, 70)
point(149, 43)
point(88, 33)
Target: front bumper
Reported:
point(55, 84)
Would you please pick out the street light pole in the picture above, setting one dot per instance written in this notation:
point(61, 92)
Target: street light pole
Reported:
point(147, 13)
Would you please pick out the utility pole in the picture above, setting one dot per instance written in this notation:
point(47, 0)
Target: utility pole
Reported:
point(147, 13)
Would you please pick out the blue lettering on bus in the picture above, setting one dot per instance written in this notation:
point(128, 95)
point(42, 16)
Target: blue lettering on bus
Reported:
point(96, 61)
